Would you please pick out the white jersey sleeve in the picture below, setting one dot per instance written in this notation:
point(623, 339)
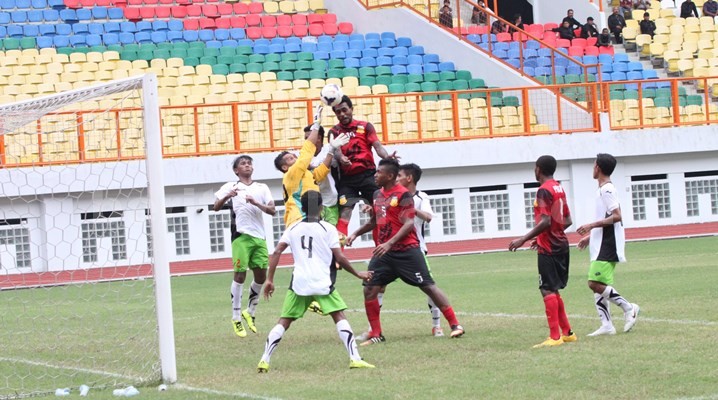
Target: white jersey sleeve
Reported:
point(224, 190)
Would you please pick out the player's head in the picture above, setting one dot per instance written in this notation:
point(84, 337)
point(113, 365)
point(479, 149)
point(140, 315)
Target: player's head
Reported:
point(312, 204)
point(545, 166)
point(387, 172)
point(285, 160)
point(344, 110)
point(605, 164)
point(409, 174)
point(242, 166)
point(308, 130)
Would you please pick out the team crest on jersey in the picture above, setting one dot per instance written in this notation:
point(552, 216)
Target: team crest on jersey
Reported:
point(360, 130)
point(535, 203)
point(343, 200)
point(394, 201)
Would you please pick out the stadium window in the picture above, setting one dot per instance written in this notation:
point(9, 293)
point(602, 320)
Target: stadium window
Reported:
point(15, 241)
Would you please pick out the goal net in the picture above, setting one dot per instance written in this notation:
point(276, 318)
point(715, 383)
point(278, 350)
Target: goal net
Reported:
point(80, 191)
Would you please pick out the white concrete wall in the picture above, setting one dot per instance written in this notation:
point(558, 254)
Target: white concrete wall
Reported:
point(555, 10)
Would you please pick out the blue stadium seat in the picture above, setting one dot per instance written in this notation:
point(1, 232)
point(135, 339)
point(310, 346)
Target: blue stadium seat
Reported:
point(278, 40)
point(560, 71)
point(431, 58)
point(144, 26)
point(127, 37)
point(474, 38)
point(190, 36)
point(206, 35)
point(99, 12)
point(158, 36)
point(340, 46)
point(398, 70)
point(15, 31)
point(225, 43)
point(400, 60)
point(111, 27)
point(63, 29)
point(57, 4)
point(340, 37)
point(383, 61)
point(325, 46)
point(93, 40)
point(649, 74)
point(110, 38)
point(606, 77)
point(503, 54)
point(321, 55)
point(372, 36)
point(44, 42)
point(159, 25)
point(388, 43)
point(501, 46)
point(431, 67)
point(414, 69)
point(143, 37)
point(7, 4)
point(388, 35)
point(367, 62)
point(574, 69)
point(372, 43)
point(351, 63)
point(620, 67)
point(415, 59)
point(175, 25)
point(385, 52)
point(309, 47)
point(50, 15)
point(370, 53)
point(486, 38)
point(416, 50)
point(18, 16)
point(356, 44)
point(61, 40)
point(590, 60)
point(634, 76)
point(514, 53)
point(128, 26)
point(618, 76)
point(47, 29)
point(115, 13)
point(543, 52)
point(221, 34)
point(80, 28)
point(620, 57)
point(77, 41)
point(293, 47)
point(31, 30)
point(401, 51)
point(356, 36)
point(530, 53)
point(607, 67)
point(530, 71)
point(237, 33)
point(276, 48)
point(635, 66)
point(403, 42)
point(175, 36)
point(35, 16)
point(23, 4)
point(542, 71)
point(533, 44)
point(530, 63)
point(514, 45)
point(324, 39)
point(84, 14)
point(96, 28)
point(336, 54)
point(264, 42)
point(245, 42)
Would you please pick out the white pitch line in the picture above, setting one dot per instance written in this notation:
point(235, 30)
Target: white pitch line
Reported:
point(708, 397)
point(529, 316)
point(241, 395)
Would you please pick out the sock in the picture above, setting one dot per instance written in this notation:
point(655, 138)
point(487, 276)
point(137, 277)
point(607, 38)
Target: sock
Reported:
point(551, 304)
point(254, 290)
point(612, 295)
point(563, 318)
point(343, 226)
point(346, 335)
point(273, 339)
point(236, 291)
point(435, 313)
point(448, 312)
point(372, 313)
point(380, 298)
point(603, 310)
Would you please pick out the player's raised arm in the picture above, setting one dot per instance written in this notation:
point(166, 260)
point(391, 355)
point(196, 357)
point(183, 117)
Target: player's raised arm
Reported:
point(226, 194)
point(367, 227)
point(347, 266)
point(376, 144)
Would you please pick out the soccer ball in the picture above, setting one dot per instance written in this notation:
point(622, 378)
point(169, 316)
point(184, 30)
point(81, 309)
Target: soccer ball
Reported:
point(331, 95)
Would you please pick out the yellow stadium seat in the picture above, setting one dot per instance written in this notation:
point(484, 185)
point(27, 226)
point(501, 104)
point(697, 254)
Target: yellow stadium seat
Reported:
point(175, 62)
point(317, 5)
point(271, 7)
point(287, 7)
point(301, 6)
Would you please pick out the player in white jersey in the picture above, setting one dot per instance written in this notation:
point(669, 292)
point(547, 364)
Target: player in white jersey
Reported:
point(606, 244)
point(327, 187)
point(249, 200)
point(315, 248)
point(409, 175)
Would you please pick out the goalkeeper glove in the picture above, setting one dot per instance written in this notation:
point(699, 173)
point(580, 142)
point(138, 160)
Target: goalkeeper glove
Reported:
point(317, 117)
point(339, 141)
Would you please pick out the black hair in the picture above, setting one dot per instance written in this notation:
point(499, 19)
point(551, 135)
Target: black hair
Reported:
point(346, 100)
point(606, 163)
point(645, 14)
point(240, 158)
point(391, 165)
point(308, 128)
point(279, 161)
point(546, 165)
point(589, 19)
point(517, 16)
point(413, 170)
point(311, 202)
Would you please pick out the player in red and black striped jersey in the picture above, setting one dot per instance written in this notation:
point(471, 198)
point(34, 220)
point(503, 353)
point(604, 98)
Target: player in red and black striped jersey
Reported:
point(397, 254)
point(552, 217)
point(355, 175)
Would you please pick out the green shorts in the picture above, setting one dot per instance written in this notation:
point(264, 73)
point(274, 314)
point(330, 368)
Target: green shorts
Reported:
point(249, 252)
point(601, 271)
point(295, 305)
point(331, 214)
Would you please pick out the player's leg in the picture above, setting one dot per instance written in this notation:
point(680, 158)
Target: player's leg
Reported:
point(411, 267)
point(293, 308)
point(240, 259)
point(562, 265)
point(335, 306)
point(259, 262)
point(380, 297)
point(436, 330)
point(383, 275)
point(549, 284)
point(347, 193)
point(600, 279)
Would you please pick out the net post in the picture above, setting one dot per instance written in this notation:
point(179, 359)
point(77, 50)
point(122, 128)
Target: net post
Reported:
point(155, 177)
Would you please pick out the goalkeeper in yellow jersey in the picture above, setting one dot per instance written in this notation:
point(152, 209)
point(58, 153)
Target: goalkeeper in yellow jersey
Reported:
point(297, 178)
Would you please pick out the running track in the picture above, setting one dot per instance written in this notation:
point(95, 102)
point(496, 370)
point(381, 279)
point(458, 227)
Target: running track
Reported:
point(224, 264)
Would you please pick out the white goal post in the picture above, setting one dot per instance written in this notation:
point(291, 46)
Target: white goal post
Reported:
point(76, 242)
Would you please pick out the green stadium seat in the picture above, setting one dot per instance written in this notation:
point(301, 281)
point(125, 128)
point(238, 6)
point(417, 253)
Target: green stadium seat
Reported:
point(220, 69)
point(237, 68)
point(396, 88)
point(412, 87)
point(301, 74)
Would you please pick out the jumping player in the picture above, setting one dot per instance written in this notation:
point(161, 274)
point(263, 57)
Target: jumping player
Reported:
point(552, 217)
point(397, 254)
point(315, 247)
point(249, 199)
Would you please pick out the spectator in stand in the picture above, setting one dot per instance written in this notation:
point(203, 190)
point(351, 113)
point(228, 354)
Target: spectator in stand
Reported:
point(616, 23)
point(641, 4)
point(498, 27)
point(648, 27)
point(517, 23)
point(446, 18)
point(589, 29)
point(573, 23)
point(626, 8)
point(604, 39)
point(688, 7)
point(565, 31)
point(710, 8)
point(479, 17)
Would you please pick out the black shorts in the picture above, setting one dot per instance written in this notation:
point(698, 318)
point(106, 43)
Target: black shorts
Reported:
point(553, 271)
point(353, 188)
point(409, 265)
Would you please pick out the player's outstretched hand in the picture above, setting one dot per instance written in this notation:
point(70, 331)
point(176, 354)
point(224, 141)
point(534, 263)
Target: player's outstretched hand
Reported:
point(367, 209)
point(584, 229)
point(339, 141)
point(516, 243)
point(534, 244)
point(365, 275)
point(583, 243)
point(349, 240)
point(394, 156)
point(268, 289)
point(381, 249)
point(318, 112)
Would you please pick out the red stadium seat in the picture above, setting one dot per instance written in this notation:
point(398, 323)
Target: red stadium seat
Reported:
point(550, 40)
point(269, 32)
point(590, 50)
point(178, 11)
point(299, 19)
point(330, 29)
point(223, 23)
point(563, 43)
point(580, 42)
point(224, 9)
point(207, 23)
point(315, 19)
point(194, 11)
point(284, 31)
point(237, 22)
point(284, 20)
point(606, 50)
point(316, 30)
point(150, 2)
point(210, 10)
point(519, 37)
point(163, 11)
point(168, 2)
point(299, 30)
point(591, 41)
point(240, 8)
point(346, 28)
point(575, 51)
point(132, 14)
point(253, 20)
point(134, 2)
point(268, 20)
point(191, 24)
point(329, 18)
point(72, 3)
point(503, 37)
point(577, 32)
point(254, 33)
point(147, 12)
point(102, 3)
point(87, 3)
point(549, 26)
point(183, 2)
point(537, 26)
point(255, 8)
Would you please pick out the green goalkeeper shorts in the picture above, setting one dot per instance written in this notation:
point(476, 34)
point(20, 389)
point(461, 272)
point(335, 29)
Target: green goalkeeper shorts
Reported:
point(331, 214)
point(601, 271)
point(295, 305)
point(249, 252)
